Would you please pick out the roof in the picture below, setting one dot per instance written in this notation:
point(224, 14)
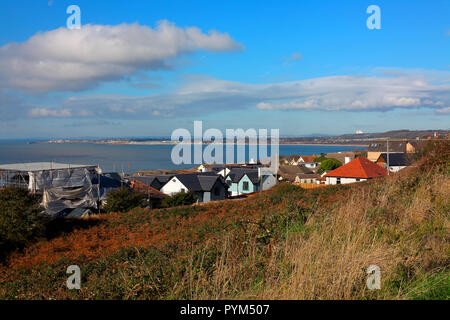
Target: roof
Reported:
point(289, 173)
point(308, 176)
point(394, 146)
point(287, 169)
point(340, 156)
point(396, 159)
point(198, 181)
point(148, 179)
point(41, 166)
point(141, 187)
point(308, 158)
point(358, 168)
point(236, 174)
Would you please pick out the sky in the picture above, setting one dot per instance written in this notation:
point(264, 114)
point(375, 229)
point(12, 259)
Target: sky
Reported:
point(145, 68)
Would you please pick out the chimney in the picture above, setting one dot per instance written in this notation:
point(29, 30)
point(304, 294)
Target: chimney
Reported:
point(347, 159)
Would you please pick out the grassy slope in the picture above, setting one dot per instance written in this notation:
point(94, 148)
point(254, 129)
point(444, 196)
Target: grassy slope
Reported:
point(285, 243)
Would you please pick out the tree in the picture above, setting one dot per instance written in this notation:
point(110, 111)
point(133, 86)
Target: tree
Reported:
point(321, 158)
point(329, 164)
point(180, 199)
point(123, 200)
point(21, 218)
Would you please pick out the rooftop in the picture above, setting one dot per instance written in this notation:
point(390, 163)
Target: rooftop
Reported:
point(41, 166)
point(358, 168)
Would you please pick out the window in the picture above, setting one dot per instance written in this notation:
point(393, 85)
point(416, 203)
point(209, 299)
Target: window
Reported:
point(245, 186)
point(229, 182)
point(338, 180)
point(357, 180)
point(183, 190)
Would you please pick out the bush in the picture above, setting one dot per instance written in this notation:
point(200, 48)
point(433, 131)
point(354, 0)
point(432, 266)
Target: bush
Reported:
point(329, 164)
point(123, 200)
point(180, 199)
point(21, 218)
point(321, 158)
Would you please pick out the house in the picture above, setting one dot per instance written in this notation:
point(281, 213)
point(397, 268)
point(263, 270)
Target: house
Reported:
point(64, 187)
point(359, 169)
point(154, 181)
point(295, 173)
point(377, 147)
point(153, 196)
point(293, 159)
point(306, 178)
point(207, 186)
point(308, 162)
point(248, 180)
point(397, 161)
point(343, 156)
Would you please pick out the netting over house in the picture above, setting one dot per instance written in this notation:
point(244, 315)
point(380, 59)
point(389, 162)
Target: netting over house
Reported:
point(63, 186)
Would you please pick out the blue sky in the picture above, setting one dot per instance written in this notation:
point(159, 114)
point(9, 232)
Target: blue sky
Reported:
point(145, 68)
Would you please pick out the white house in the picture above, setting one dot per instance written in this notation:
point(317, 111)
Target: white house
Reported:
point(207, 186)
point(360, 169)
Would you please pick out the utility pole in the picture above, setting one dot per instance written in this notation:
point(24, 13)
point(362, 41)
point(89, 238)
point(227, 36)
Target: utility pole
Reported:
point(387, 151)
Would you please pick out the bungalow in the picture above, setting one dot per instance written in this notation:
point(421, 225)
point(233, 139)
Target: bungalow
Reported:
point(207, 186)
point(295, 173)
point(360, 169)
point(248, 180)
point(397, 161)
point(307, 178)
point(378, 147)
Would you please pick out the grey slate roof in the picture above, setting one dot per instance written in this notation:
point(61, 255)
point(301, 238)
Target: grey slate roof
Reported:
point(396, 159)
point(394, 146)
point(148, 180)
point(236, 174)
point(199, 181)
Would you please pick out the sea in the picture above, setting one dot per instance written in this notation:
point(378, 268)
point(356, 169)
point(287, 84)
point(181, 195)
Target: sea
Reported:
point(124, 158)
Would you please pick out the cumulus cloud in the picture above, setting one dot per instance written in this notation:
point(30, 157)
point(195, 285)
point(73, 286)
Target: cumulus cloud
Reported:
point(72, 60)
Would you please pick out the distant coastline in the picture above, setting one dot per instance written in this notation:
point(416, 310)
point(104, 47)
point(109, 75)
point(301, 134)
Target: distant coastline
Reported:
point(169, 142)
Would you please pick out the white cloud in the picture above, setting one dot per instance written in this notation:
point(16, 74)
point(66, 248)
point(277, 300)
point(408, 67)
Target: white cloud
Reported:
point(72, 60)
point(293, 57)
point(444, 110)
point(44, 112)
point(201, 95)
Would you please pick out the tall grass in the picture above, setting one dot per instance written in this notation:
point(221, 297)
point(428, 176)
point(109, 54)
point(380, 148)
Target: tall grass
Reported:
point(286, 243)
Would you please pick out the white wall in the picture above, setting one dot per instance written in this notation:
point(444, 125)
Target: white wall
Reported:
point(333, 180)
point(173, 186)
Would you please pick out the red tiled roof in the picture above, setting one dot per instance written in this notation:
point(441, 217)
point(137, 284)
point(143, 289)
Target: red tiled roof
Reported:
point(308, 158)
point(358, 168)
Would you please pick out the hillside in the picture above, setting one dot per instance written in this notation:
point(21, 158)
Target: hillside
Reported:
point(286, 243)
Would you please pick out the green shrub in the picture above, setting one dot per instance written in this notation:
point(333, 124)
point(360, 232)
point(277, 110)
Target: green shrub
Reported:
point(180, 199)
point(321, 158)
point(21, 218)
point(329, 164)
point(123, 200)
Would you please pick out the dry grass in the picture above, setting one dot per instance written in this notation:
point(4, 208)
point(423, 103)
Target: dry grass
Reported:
point(287, 243)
